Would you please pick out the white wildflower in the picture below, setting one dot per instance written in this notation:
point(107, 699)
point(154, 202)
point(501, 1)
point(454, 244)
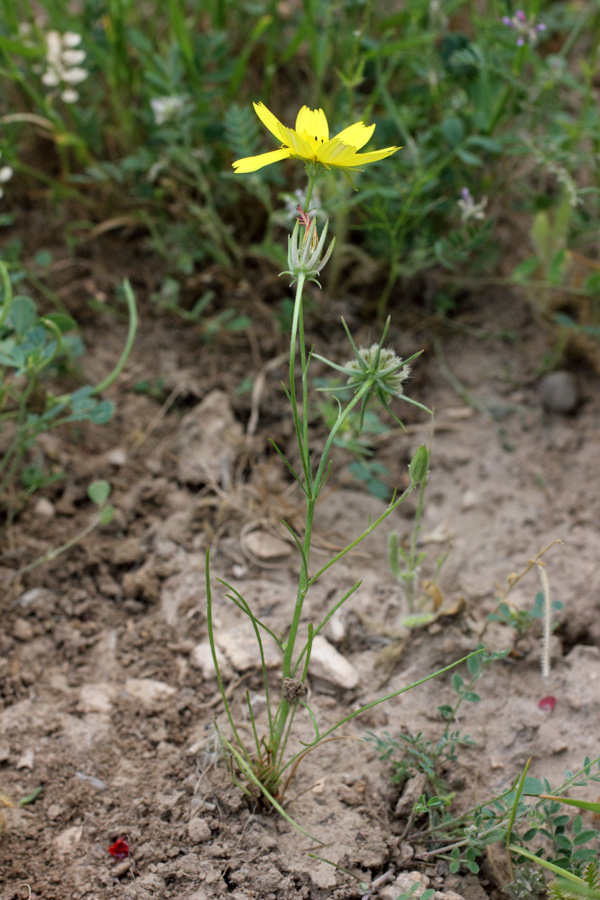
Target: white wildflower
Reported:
point(469, 209)
point(64, 64)
point(6, 174)
point(167, 109)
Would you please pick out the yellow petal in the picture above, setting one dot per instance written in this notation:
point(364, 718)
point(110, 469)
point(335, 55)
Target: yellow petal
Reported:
point(356, 135)
point(333, 150)
point(252, 163)
point(271, 122)
point(360, 159)
point(314, 123)
point(298, 146)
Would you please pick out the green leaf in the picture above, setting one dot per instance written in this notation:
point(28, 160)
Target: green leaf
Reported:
point(453, 130)
point(417, 619)
point(525, 269)
point(563, 842)
point(99, 492)
point(469, 158)
point(457, 682)
point(529, 835)
point(472, 697)
point(498, 834)
point(62, 321)
point(584, 836)
point(489, 144)
point(32, 797)
point(102, 413)
point(533, 786)
point(473, 665)
point(106, 515)
point(22, 314)
point(557, 266)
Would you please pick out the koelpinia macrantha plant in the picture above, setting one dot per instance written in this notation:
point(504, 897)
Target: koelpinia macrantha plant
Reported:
point(374, 372)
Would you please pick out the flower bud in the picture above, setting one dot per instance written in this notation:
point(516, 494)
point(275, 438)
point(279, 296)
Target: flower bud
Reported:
point(419, 466)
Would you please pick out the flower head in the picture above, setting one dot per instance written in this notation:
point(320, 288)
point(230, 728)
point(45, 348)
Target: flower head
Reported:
point(63, 64)
point(381, 363)
point(310, 141)
point(305, 249)
point(167, 109)
point(468, 208)
point(375, 371)
point(6, 174)
point(526, 28)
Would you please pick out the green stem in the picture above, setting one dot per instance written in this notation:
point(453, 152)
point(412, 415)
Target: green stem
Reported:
point(309, 190)
point(133, 320)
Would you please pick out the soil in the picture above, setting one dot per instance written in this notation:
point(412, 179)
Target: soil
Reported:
point(108, 703)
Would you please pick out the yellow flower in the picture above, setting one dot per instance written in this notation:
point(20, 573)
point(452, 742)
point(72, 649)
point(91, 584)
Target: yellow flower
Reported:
point(310, 141)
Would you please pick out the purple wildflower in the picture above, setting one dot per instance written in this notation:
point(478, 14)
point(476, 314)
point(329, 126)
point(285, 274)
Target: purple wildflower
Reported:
point(468, 208)
point(527, 29)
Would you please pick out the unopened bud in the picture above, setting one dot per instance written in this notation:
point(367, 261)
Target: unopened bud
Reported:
point(419, 466)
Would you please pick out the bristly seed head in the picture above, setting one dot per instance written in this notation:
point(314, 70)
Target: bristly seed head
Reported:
point(380, 363)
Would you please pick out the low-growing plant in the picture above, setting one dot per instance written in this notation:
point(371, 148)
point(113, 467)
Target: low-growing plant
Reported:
point(263, 766)
point(413, 754)
point(508, 818)
point(30, 345)
point(461, 840)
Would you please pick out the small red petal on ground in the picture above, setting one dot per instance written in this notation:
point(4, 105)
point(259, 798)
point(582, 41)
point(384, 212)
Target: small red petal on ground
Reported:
point(547, 704)
point(120, 849)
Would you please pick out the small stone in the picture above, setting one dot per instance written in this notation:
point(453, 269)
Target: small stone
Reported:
point(337, 627)
point(199, 830)
point(151, 882)
point(121, 868)
point(559, 393)
point(96, 698)
point(68, 839)
point(404, 885)
point(265, 546)
point(127, 552)
point(148, 691)
point(44, 508)
point(201, 658)
point(22, 630)
point(413, 789)
point(91, 779)
point(42, 600)
point(26, 760)
point(4, 753)
point(447, 895)
point(117, 457)
point(328, 664)
point(55, 811)
point(469, 500)
point(406, 852)
point(240, 647)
